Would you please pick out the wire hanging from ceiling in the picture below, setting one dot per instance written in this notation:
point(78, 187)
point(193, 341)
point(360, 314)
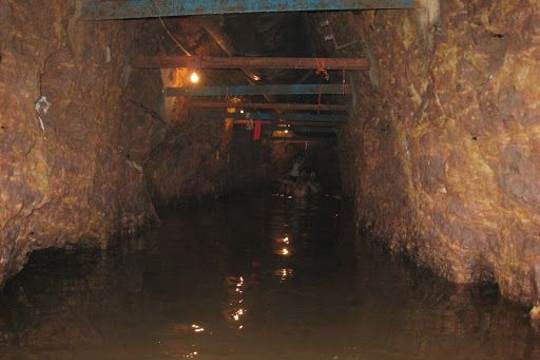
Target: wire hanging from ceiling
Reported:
point(168, 31)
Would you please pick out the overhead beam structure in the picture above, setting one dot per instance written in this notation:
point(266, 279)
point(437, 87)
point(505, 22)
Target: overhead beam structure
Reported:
point(307, 129)
point(268, 106)
point(290, 117)
point(247, 90)
point(303, 140)
point(133, 9)
point(321, 124)
point(295, 117)
point(213, 28)
point(212, 62)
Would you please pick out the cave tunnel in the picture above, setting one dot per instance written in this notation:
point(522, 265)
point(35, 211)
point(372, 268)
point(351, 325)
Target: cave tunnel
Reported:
point(283, 179)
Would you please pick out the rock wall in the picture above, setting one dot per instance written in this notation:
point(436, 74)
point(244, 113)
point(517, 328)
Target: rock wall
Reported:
point(443, 153)
point(201, 158)
point(88, 144)
point(64, 175)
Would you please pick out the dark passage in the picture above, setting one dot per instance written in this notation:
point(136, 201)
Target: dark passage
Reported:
point(403, 138)
point(253, 277)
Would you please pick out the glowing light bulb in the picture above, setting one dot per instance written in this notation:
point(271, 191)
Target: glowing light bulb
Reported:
point(256, 77)
point(286, 131)
point(194, 78)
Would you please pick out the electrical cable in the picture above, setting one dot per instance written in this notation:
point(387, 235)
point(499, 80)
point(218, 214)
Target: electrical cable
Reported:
point(168, 31)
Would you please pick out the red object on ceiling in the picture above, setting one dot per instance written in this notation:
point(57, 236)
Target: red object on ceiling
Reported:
point(257, 130)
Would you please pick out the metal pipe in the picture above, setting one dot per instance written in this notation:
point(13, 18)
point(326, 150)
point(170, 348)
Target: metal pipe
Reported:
point(296, 117)
point(246, 90)
point(331, 118)
point(305, 129)
point(303, 140)
point(212, 62)
point(268, 106)
point(225, 44)
point(129, 9)
point(289, 122)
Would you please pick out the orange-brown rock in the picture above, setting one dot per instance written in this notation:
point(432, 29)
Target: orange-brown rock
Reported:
point(88, 144)
point(64, 175)
point(444, 149)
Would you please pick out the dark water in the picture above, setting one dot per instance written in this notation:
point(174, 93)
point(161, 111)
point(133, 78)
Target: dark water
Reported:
point(257, 277)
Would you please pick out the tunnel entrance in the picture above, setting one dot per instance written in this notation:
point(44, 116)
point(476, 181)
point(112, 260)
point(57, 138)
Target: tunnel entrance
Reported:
point(269, 179)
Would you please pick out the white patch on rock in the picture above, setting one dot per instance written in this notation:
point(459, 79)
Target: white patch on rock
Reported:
point(108, 54)
point(135, 166)
point(42, 107)
point(428, 13)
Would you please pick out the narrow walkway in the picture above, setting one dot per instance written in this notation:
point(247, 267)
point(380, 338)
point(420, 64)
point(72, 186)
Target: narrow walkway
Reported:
point(256, 277)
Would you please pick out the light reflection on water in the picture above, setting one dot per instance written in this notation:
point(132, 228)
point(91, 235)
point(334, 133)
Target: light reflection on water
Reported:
point(284, 274)
point(236, 309)
point(215, 283)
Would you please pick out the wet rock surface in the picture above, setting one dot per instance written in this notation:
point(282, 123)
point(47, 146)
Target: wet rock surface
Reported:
point(444, 148)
